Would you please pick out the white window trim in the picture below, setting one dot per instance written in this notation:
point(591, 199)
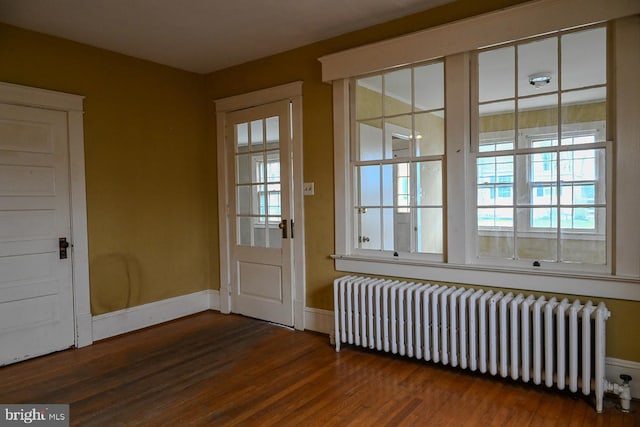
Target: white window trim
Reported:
point(450, 41)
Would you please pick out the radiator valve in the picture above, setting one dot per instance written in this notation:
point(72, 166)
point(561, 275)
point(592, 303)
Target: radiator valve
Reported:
point(625, 396)
point(623, 390)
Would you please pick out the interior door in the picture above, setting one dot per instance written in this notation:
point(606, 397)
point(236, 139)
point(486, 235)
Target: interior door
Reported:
point(261, 227)
point(36, 300)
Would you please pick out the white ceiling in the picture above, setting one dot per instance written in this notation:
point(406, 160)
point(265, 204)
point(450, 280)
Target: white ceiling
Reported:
point(203, 35)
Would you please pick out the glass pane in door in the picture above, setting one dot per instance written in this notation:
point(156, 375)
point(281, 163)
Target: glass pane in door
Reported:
point(258, 192)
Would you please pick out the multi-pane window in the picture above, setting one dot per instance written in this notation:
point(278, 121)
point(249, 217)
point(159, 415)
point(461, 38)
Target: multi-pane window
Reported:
point(258, 185)
point(540, 152)
point(397, 160)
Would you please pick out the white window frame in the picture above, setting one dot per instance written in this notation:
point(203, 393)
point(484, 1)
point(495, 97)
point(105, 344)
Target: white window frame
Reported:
point(453, 42)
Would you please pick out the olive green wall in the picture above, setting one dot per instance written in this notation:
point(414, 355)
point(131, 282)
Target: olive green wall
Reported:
point(145, 131)
point(302, 64)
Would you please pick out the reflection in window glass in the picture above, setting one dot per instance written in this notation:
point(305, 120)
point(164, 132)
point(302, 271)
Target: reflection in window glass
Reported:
point(548, 181)
point(398, 160)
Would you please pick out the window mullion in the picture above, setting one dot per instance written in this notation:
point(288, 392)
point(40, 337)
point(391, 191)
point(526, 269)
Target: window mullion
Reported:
point(517, 186)
point(559, 130)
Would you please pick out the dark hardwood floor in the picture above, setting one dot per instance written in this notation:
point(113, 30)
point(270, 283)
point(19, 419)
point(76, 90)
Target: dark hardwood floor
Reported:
point(223, 370)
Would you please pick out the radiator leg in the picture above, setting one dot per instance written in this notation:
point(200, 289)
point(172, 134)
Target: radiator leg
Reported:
point(599, 402)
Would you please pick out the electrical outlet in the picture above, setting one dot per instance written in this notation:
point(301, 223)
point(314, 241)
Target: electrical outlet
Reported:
point(309, 189)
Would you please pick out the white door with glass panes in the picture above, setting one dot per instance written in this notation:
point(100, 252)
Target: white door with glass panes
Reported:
point(36, 300)
point(260, 213)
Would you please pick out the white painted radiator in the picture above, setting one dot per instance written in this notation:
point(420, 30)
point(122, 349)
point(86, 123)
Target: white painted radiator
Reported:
point(545, 341)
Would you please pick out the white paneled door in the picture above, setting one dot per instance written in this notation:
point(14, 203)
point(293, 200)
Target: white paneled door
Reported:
point(260, 220)
point(36, 298)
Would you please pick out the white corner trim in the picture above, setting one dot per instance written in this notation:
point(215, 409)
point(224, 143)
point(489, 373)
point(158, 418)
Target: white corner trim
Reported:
point(614, 367)
point(142, 316)
point(318, 320)
point(525, 20)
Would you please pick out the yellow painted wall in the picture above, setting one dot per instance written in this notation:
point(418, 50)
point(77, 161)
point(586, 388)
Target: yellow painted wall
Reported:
point(145, 131)
point(302, 64)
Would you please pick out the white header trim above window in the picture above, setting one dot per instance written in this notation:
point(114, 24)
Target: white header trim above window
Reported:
point(533, 18)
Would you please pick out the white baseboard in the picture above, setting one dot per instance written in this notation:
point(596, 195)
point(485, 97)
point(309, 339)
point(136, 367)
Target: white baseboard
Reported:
point(323, 321)
point(214, 299)
point(142, 316)
point(318, 320)
point(615, 367)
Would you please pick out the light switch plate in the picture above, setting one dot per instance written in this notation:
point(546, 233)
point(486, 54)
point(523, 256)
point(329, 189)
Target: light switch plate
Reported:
point(309, 189)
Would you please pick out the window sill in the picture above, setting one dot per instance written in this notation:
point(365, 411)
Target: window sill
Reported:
point(525, 279)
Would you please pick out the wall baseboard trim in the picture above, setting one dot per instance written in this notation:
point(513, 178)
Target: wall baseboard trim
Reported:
point(318, 320)
point(214, 299)
point(323, 321)
point(130, 319)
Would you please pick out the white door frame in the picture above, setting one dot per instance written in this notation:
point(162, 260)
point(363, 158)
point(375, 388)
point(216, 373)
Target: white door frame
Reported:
point(292, 92)
point(72, 105)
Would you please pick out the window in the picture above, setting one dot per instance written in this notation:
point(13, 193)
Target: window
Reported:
point(547, 102)
point(529, 167)
point(397, 160)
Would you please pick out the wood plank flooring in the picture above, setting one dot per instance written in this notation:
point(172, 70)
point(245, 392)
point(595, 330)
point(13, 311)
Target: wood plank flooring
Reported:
point(227, 370)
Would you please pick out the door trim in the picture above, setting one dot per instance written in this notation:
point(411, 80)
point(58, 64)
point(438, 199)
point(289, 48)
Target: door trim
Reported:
point(293, 92)
point(72, 105)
